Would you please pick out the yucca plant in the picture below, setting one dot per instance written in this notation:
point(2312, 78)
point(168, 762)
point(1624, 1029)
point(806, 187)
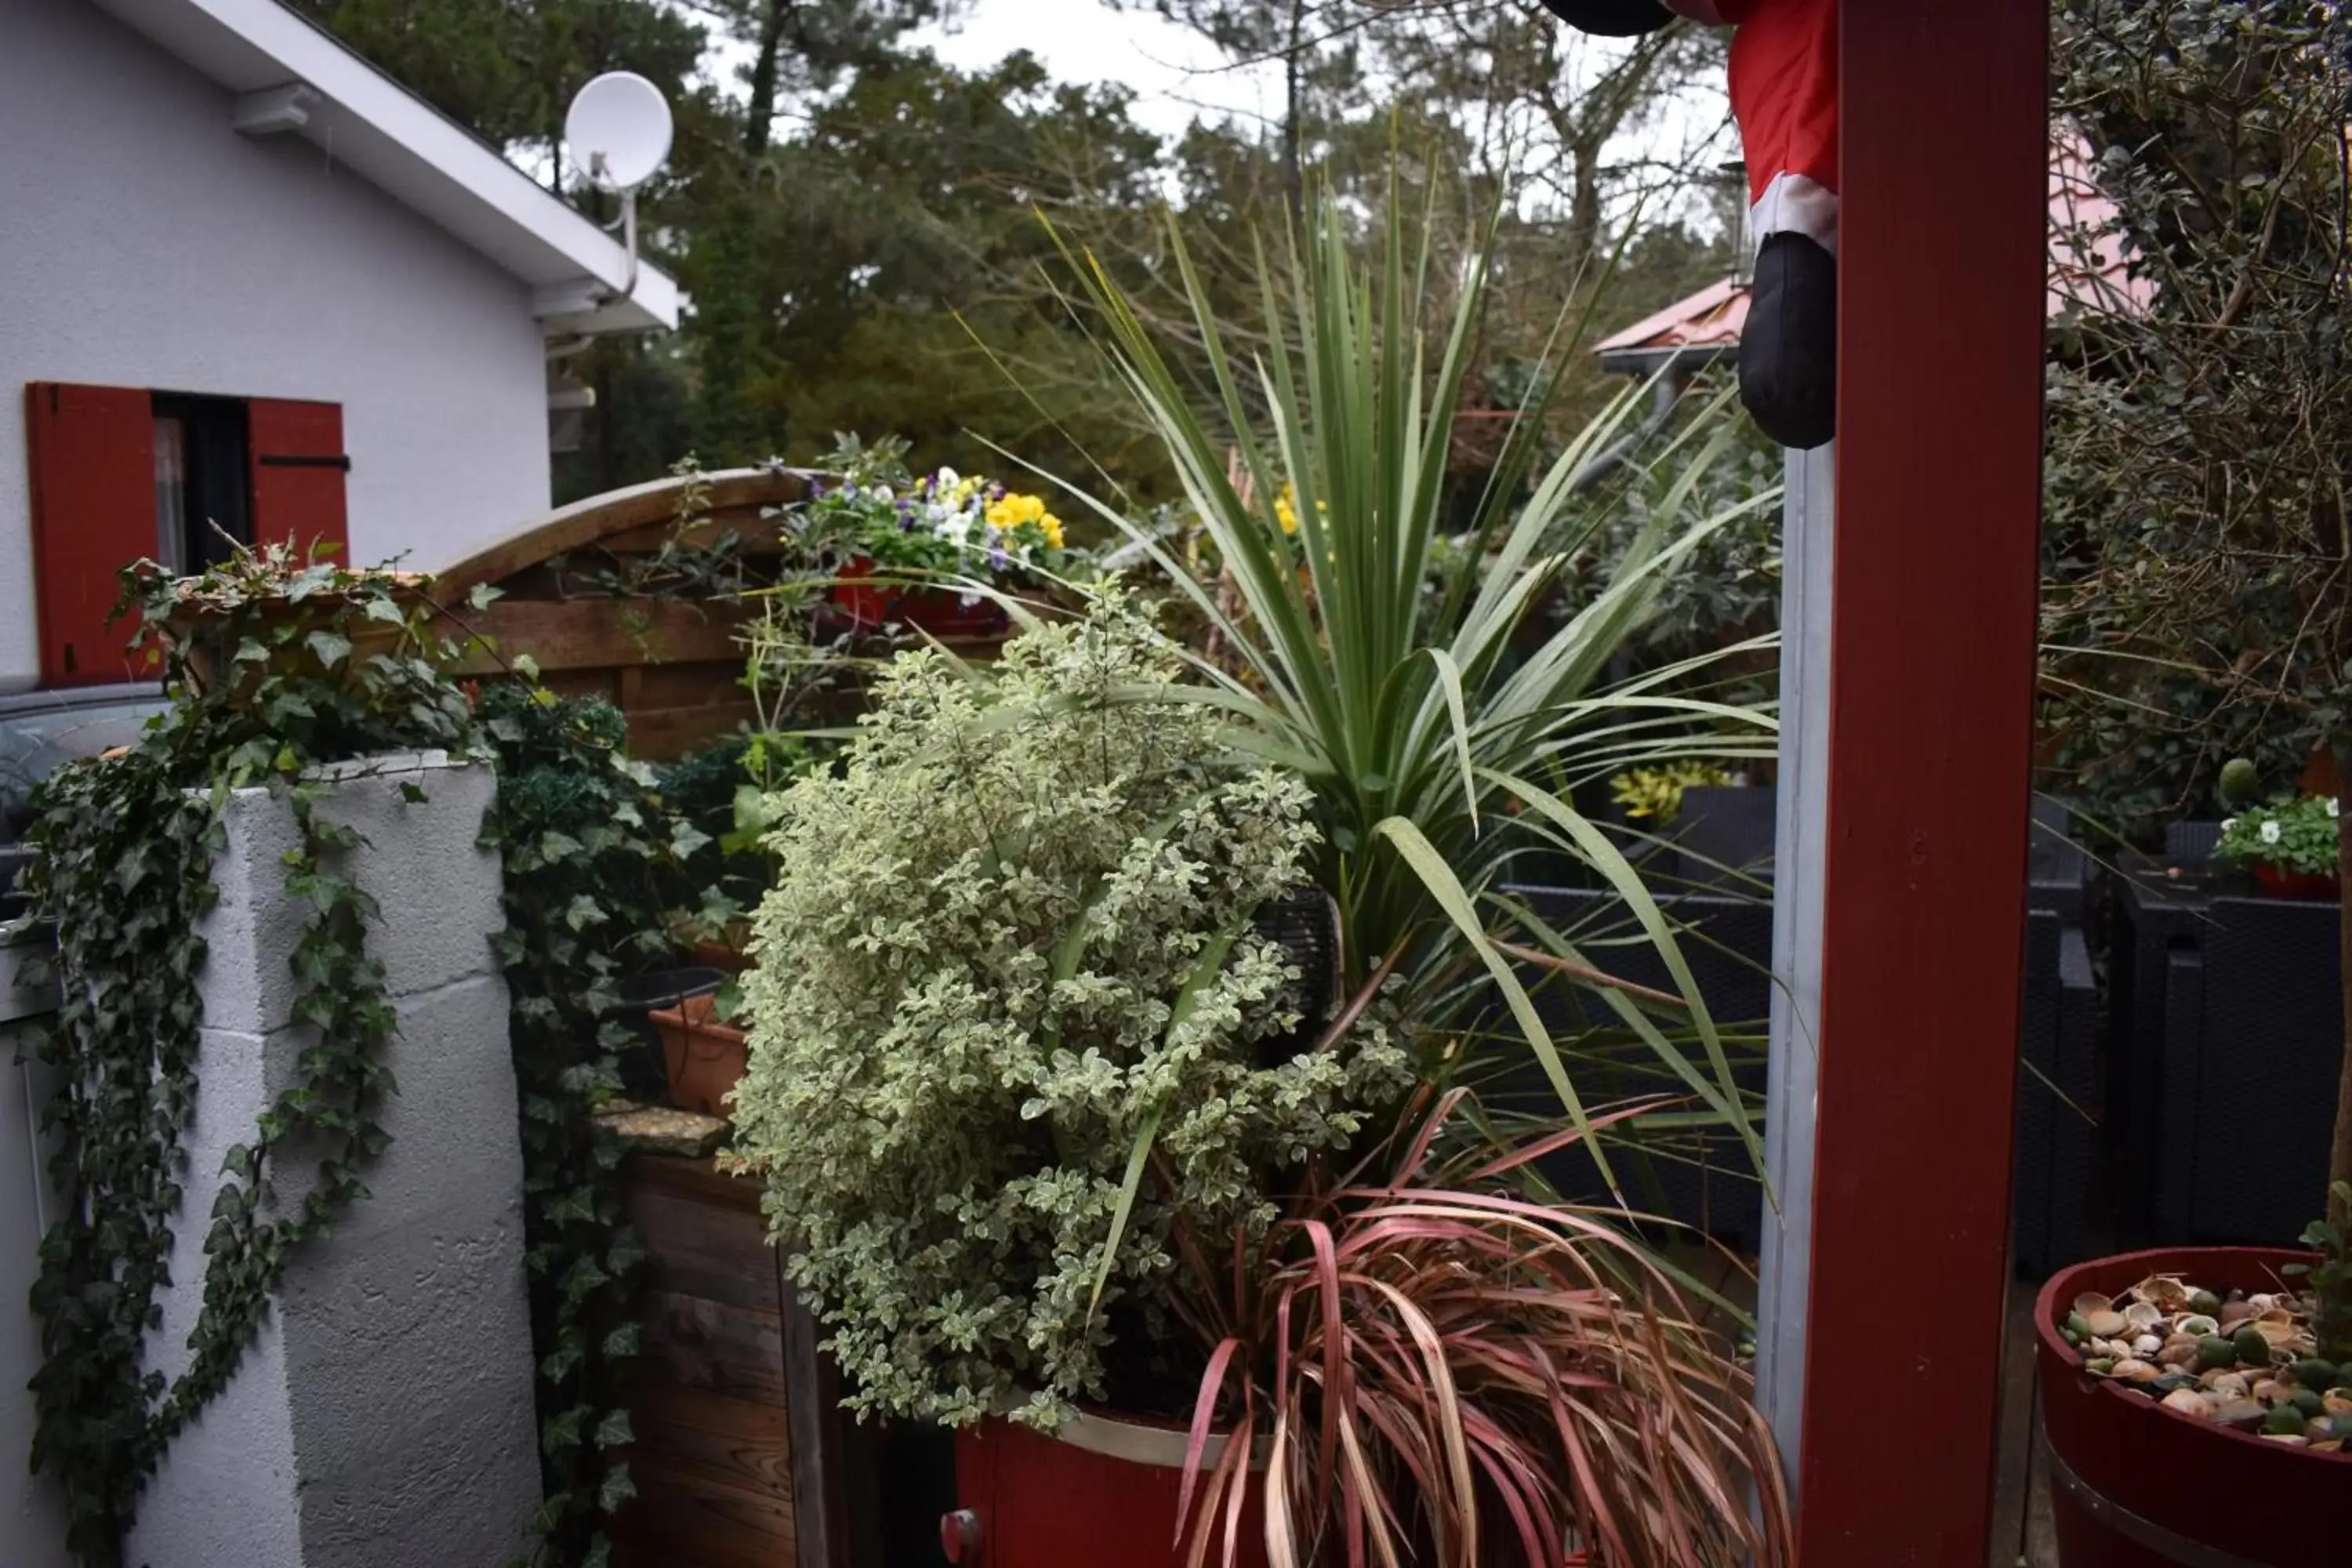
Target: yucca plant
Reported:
point(1442, 754)
point(1440, 1373)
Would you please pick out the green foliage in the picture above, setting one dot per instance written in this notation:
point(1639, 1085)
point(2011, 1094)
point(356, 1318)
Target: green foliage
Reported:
point(2297, 836)
point(275, 667)
point(2331, 1279)
point(1443, 745)
point(1655, 795)
point(2194, 491)
point(1007, 961)
point(593, 861)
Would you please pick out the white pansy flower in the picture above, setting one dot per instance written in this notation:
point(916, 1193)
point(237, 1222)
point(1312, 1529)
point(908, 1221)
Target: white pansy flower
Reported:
point(2331, 806)
point(2229, 823)
point(2270, 832)
point(882, 494)
point(947, 479)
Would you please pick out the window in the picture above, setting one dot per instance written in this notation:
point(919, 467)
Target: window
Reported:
point(204, 489)
point(120, 473)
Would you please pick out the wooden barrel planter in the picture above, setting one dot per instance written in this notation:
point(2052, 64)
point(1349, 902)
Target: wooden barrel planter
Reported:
point(2133, 1484)
point(1099, 1491)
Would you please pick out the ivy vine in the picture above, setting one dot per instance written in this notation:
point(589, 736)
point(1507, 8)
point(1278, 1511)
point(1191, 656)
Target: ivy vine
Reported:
point(591, 859)
point(275, 667)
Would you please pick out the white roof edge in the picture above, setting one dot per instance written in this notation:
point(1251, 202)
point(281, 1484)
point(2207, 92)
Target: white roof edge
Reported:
point(419, 156)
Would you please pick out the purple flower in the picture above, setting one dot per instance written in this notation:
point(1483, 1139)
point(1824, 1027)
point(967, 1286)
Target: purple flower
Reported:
point(998, 559)
point(905, 522)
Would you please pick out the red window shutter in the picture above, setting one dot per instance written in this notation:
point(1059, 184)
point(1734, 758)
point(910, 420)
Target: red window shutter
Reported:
point(93, 493)
point(298, 473)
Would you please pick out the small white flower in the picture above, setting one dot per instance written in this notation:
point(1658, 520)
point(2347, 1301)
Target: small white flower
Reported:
point(2331, 806)
point(947, 479)
point(882, 494)
point(2270, 832)
point(2229, 823)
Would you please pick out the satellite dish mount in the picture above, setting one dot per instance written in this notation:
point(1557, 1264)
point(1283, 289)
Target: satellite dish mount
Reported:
point(618, 131)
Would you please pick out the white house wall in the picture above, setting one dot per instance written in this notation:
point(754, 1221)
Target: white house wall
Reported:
point(144, 243)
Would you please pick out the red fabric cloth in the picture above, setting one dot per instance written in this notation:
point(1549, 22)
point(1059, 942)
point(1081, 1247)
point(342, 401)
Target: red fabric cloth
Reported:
point(1784, 88)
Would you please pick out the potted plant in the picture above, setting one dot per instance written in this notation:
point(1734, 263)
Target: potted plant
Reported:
point(2201, 543)
point(703, 1056)
point(1034, 1171)
point(288, 615)
point(2289, 846)
point(926, 551)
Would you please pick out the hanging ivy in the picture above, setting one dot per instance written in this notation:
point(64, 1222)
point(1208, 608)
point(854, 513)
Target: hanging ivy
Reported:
point(275, 666)
point(592, 859)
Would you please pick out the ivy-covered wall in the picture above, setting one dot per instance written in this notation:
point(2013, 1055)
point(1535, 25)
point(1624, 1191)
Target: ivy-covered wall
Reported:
point(383, 1417)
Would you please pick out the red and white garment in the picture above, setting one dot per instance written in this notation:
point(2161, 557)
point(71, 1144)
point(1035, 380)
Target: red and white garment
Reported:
point(1784, 91)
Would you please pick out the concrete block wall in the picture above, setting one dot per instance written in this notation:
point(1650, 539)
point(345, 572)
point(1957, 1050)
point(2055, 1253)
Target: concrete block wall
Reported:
point(383, 1417)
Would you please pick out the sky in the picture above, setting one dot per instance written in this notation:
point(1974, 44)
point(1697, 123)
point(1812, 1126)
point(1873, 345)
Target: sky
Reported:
point(1175, 72)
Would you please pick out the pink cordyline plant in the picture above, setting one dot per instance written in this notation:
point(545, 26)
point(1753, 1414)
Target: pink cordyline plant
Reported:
point(1435, 1371)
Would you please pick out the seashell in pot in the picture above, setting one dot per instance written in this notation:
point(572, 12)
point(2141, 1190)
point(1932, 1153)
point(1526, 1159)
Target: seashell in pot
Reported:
point(2188, 1402)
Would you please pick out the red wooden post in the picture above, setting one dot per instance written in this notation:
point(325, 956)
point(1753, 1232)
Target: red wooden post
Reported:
point(1933, 607)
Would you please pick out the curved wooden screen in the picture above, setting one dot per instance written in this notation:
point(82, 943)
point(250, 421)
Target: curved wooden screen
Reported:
point(673, 664)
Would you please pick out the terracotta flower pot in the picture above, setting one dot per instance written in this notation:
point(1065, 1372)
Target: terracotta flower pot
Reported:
point(1101, 1490)
point(723, 955)
point(704, 1059)
point(2133, 1484)
point(2315, 885)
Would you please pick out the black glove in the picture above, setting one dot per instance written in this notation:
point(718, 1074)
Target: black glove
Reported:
point(1788, 352)
point(1611, 18)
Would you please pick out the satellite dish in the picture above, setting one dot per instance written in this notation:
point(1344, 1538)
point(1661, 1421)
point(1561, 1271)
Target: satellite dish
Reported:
point(618, 130)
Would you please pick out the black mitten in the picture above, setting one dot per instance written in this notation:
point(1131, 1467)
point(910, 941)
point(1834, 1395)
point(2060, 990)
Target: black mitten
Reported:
point(1787, 353)
point(1611, 18)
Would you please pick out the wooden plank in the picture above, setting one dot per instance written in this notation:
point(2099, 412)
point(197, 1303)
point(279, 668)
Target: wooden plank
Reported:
point(599, 517)
point(593, 634)
point(709, 1345)
point(753, 528)
point(681, 1517)
point(1931, 739)
point(700, 1178)
point(666, 735)
point(737, 1443)
point(2012, 1490)
point(702, 683)
point(696, 1248)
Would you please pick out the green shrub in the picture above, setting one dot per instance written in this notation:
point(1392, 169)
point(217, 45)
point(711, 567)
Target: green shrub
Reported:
point(1009, 940)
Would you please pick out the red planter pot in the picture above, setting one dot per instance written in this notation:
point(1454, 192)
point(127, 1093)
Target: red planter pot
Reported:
point(1099, 1492)
point(2133, 1484)
point(937, 611)
point(2296, 884)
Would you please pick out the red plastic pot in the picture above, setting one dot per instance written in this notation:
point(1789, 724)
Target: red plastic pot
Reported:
point(1099, 1491)
point(2133, 1484)
point(2315, 885)
point(937, 611)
